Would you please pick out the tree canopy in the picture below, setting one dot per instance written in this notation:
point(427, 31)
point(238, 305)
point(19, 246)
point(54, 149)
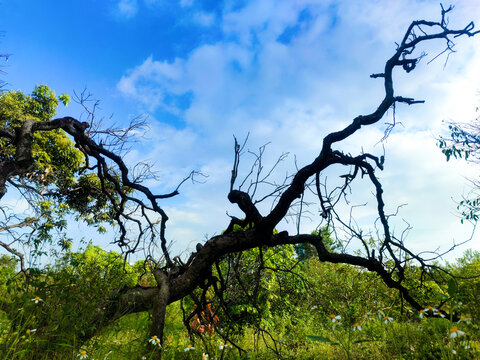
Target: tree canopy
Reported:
point(46, 169)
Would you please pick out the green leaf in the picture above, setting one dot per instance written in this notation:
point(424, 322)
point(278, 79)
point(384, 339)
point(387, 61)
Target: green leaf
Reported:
point(440, 295)
point(452, 288)
point(322, 339)
point(362, 341)
point(65, 99)
point(21, 352)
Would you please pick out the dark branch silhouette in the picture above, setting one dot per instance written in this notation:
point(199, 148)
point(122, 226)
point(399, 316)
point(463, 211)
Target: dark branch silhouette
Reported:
point(140, 217)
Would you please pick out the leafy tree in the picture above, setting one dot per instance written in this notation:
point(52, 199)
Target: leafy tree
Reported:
point(41, 162)
point(98, 177)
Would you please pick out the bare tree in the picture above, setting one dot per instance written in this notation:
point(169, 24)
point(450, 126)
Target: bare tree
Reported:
point(141, 219)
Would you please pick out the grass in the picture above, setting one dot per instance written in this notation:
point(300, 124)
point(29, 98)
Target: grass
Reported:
point(408, 337)
point(58, 320)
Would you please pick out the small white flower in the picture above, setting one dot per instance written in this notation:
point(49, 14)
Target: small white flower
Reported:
point(82, 355)
point(222, 346)
point(412, 348)
point(431, 309)
point(36, 299)
point(422, 314)
point(357, 326)
point(204, 356)
point(387, 319)
point(105, 357)
point(334, 318)
point(117, 342)
point(155, 341)
point(454, 332)
point(29, 331)
point(465, 319)
point(189, 348)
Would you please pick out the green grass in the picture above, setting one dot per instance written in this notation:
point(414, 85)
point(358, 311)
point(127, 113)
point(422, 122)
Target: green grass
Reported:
point(404, 338)
point(70, 296)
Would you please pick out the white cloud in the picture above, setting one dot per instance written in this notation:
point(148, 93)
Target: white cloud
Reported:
point(204, 19)
point(127, 8)
point(151, 82)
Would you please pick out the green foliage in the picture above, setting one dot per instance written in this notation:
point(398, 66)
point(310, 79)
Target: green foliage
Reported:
point(58, 184)
point(261, 285)
point(306, 251)
point(461, 143)
point(72, 292)
point(467, 271)
point(322, 339)
point(470, 209)
point(70, 296)
point(464, 143)
point(64, 99)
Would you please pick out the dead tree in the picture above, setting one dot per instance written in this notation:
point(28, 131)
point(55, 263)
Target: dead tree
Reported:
point(176, 279)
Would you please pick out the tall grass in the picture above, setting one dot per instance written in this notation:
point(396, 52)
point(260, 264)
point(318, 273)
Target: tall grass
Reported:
point(296, 327)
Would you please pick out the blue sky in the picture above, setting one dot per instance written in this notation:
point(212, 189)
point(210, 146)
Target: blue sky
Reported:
point(287, 72)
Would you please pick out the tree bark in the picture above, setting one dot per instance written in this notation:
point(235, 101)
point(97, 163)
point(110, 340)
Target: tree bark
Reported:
point(160, 302)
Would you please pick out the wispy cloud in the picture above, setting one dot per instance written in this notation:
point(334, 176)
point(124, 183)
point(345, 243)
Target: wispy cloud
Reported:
point(204, 18)
point(155, 84)
point(127, 8)
point(186, 3)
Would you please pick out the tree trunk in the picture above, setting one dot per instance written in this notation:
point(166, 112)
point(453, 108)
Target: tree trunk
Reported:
point(160, 303)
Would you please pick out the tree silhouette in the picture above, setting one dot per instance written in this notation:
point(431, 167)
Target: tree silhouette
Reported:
point(141, 220)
